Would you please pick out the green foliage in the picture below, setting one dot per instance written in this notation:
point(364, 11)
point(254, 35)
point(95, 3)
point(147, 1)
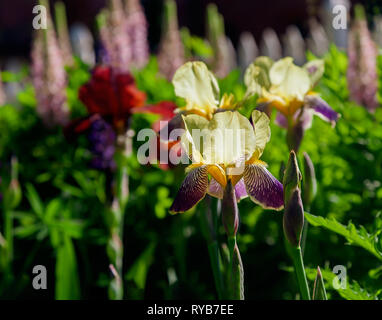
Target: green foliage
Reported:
point(153, 84)
point(195, 46)
point(138, 271)
point(352, 291)
point(359, 237)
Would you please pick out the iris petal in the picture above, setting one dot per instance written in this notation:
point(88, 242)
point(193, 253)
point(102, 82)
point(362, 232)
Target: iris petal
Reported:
point(304, 119)
point(288, 80)
point(240, 190)
point(315, 69)
point(321, 109)
point(197, 85)
point(215, 189)
point(281, 120)
point(263, 188)
point(218, 174)
point(262, 130)
point(192, 190)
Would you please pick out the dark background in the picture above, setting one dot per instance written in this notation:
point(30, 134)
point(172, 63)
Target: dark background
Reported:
point(240, 15)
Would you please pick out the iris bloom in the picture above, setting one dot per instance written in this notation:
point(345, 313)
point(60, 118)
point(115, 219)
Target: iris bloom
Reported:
point(227, 147)
point(199, 87)
point(288, 88)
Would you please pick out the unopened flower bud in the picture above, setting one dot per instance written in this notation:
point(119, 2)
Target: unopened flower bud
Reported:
point(230, 211)
point(319, 292)
point(293, 220)
point(292, 177)
point(309, 181)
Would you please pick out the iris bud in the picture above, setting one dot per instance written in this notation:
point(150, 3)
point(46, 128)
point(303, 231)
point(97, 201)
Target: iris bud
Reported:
point(292, 177)
point(293, 220)
point(309, 182)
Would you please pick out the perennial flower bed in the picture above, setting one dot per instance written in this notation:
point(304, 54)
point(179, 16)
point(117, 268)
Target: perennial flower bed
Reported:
point(171, 175)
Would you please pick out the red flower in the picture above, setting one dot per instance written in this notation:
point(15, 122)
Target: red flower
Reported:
point(165, 110)
point(111, 94)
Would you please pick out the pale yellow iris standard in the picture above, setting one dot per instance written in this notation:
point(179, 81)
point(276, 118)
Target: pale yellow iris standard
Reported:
point(282, 84)
point(199, 87)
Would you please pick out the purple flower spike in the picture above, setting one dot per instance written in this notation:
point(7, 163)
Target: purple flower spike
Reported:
point(102, 140)
point(115, 40)
point(171, 50)
point(362, 74)
point(49, 77)
point(137, 31)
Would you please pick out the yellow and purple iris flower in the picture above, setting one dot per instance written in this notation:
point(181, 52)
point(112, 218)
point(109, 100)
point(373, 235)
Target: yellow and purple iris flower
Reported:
point(227, 148)
point(288, 88)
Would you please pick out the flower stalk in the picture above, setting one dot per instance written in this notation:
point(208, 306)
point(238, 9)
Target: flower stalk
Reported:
point(137, 33)
point(216, 37)
point(230, 217)
point(120, 193)
point(209, 226)
point(362, 76)
point(49, 76)
point(293, 221)
point(63, 33)
point(11, 199)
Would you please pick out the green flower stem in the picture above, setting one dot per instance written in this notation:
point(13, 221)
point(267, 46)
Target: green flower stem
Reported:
point(213, 250)
point(231, 246)
point(8, 236)
point(115, 252)
point(298, 262)
point(12, 198)
point(208, 221)
point(235, 286)
point(120, 192)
